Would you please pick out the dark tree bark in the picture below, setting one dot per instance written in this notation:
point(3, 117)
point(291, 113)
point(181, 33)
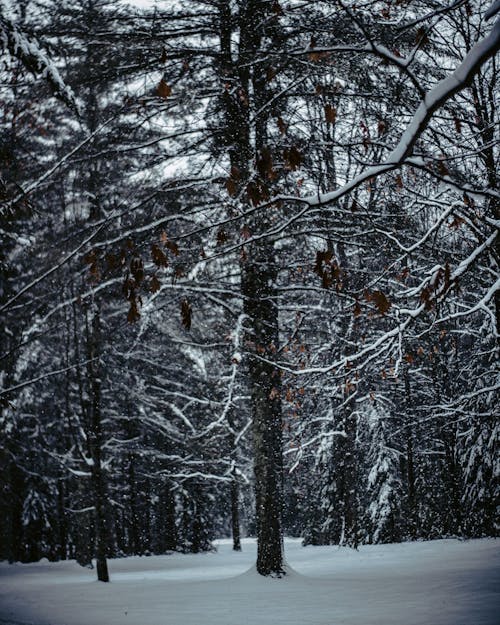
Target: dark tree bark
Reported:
point(170, 529)
point(95, 446)
point(235, 515)
point(259, 293)
point(348, 497)
point(410, 462)
point(135, 517)
point(245, 140)
point(62, 520)
point(14, 516)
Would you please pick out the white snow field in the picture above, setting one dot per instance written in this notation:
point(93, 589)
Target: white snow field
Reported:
point(442, 582)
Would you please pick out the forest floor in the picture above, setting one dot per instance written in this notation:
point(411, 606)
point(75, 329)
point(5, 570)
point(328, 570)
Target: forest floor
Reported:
point(441, 582)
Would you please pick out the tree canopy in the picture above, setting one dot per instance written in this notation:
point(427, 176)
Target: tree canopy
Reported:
point(248, 274)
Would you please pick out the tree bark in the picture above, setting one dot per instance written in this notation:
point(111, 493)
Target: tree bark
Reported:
point(95, 443)
point(171, 535)
point(235, 515)
point(258, 288)
point(244, 140)
point(410, 462)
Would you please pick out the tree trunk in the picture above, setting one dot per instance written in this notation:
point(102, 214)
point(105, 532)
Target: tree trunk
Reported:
point(171, 535)
point(134, 519)
point(258, 288)
point(245, 140)
point(410, 463)
point(95, 442)
point(235, 514)
point(349, 498)
point(62, 520)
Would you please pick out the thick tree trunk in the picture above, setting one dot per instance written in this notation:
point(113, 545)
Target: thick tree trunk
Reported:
point(258, 288)
point(197, 542)
point(95, 442)
point(244, 86)
point(348, 470)
point(62, 520)
point(171, 535)
point(134, 522)
point(349, 497)
point(235, 515)
point(340, 525)
point(14, 516)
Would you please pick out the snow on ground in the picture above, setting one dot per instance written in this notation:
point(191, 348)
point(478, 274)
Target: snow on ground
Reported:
point(443, 582)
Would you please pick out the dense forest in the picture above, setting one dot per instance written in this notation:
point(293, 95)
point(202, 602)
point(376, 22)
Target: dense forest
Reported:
point(248, 274)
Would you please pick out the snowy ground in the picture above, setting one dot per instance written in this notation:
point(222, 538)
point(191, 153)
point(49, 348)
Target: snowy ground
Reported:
point(443, 582)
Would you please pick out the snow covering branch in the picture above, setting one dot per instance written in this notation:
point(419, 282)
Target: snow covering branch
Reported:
point(21, 385)
point(34, 59)
point(224, 418)
point(50, 271)
point(385, 342)
point(36, 184)
point(493, 10)
point(479, 54)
